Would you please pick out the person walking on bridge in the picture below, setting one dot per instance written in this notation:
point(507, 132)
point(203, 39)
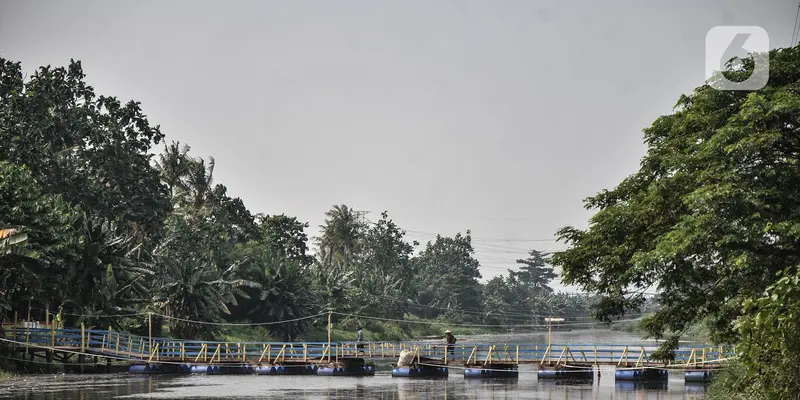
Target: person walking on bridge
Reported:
point(359, 340)
point(451, 342)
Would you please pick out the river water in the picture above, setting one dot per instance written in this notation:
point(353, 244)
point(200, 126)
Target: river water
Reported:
point(380, 387)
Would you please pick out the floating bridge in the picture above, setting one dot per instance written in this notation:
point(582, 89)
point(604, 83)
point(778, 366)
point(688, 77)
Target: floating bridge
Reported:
point(165, 355)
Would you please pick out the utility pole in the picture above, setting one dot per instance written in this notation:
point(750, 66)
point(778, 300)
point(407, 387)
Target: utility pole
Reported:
point(150, 334)
point(550, 321)
point(330, 328)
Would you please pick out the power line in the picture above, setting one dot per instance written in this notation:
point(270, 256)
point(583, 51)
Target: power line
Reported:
point(474, 238)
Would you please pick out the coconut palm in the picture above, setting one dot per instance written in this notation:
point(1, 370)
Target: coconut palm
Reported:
point(200, 182)
point(174, 165)
point(342, 236)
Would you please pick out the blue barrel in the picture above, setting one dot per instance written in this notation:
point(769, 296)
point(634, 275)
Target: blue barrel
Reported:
point(627, 375)
point(266, 370)
point(697, 376)
point(329, 371)
point(200, 369)
point(138, 369)
point(154, 368)
point(474, 373)
point(404, 372)
point(547, 374)
point(491, 373)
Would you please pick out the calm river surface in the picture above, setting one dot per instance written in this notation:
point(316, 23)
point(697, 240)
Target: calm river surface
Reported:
point(380, 387)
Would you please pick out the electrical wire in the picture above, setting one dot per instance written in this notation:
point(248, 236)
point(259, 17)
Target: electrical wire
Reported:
point(429, 322)
point(240, 323)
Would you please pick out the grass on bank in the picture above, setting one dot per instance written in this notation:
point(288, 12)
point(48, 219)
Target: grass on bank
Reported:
point(698, 332)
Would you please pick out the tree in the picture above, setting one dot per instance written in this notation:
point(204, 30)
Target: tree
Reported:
point(285, 235)
point(534, 274)
point(174, 165)
point(284, 293)
point(30, 269)
point(711, 216)
point(232, 213)
point(503, 300)
point(448, 275)
point(198, 277)
point(384, 274)
point(93, 150)
point(342, 235)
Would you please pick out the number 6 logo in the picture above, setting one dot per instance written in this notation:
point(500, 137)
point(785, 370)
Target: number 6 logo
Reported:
point(724, 43)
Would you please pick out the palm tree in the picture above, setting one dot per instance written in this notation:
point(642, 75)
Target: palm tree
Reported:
point(342, 235)
point(191, 291)
point(200, 183)
point(173, 164)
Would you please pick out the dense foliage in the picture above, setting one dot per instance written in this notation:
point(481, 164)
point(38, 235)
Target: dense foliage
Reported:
point(119, 237)
point(709, 220)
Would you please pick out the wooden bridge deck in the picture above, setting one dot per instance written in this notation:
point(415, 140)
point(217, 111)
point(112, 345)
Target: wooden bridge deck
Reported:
point(138, 349)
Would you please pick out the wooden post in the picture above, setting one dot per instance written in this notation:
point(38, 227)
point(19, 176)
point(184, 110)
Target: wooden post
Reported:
point(83, 338)
point(28, 329)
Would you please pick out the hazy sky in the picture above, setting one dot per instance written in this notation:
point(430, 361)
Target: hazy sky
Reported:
point(495, 116)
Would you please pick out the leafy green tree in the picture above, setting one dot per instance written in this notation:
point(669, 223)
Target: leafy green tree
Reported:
point(93, 150)
point(196, 281)
point(503, 300)
point(447, 273)
point(286, 235)
point(232, 213)
point(330, 284)
point(534, 274)
point(30, 269)
point(711, 216)
point(384, 274)
point(770, 331)
point(284, 293)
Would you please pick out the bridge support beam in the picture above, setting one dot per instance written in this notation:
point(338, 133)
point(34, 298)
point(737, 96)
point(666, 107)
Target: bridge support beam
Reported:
point(347, 367)
point(492, 371)
point(641, 374)
point(578, 373)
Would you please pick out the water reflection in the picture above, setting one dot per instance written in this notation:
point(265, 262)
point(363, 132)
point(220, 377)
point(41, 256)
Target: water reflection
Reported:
point(381, 387)
point(632, 386)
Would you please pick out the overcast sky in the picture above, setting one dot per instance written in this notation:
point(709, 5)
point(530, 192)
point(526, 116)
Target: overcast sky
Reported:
point(494, 116)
